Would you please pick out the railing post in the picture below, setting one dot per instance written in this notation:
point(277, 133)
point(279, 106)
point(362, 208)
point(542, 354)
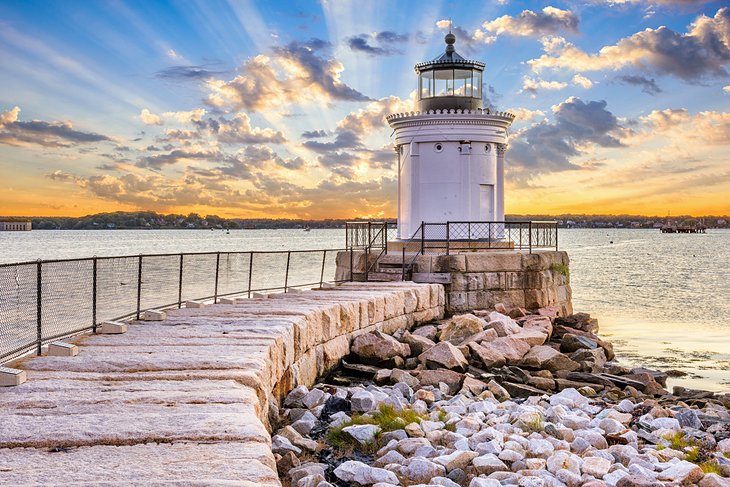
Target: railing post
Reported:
point(93, 297)
point(367, 262)
point(217, 267)
point(489, 235)
point(250, 271)
point(423, 233)
point(529, 229)
point(321, 274)
point(351, 264)
point(403, 265)
point(39, 305)
point(139, 285)
point(179, 283)
point(556, 236)
point(347, 235)
point(286, 274)
point(448, 237)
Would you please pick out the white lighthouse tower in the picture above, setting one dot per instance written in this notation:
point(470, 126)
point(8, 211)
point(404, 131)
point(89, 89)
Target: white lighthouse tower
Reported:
point(451, 151)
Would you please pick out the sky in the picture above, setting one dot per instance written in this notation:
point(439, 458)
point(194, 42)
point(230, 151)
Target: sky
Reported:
point(277, 109)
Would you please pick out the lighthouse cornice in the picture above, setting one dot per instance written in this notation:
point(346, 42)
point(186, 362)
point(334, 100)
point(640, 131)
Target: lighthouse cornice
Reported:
point(449, 117)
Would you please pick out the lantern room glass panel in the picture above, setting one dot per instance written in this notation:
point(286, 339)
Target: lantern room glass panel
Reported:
point(478, 84)
point(462, 82)
point(426, 81)
point(444, 79)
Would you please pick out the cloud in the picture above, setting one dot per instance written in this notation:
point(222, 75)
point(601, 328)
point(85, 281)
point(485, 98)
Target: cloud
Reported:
point(188, 73)
point(582, 81)
point(648, 85)
point(149, 118)
point(550, 20)
point(525, 114)
point(701, 52)
point(294, 74)
point(38, 132)
point(377, 43)
point(177, 155)
point(707, 128)
point(466, 41)
point(726, 88)
point(239, 131)
point(314, 134)
point(59, 175)
point(533, 85)
point(547, 147)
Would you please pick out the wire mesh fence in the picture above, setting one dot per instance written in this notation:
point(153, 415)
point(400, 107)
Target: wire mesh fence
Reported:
point(46, 300)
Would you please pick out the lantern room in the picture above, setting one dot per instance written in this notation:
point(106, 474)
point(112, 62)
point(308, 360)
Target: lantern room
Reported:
point(449, 81)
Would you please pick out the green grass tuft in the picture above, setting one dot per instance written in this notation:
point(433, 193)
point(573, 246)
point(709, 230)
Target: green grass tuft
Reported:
point(386, 417)
point(561, 269)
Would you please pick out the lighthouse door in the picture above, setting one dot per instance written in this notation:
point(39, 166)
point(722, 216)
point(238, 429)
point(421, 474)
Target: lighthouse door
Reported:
point(486, 202)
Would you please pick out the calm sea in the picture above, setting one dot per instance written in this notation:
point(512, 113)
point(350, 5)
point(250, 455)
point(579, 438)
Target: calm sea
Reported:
point(664, 300)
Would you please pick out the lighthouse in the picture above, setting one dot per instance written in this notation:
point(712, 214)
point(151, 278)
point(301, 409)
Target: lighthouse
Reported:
point(451, 149)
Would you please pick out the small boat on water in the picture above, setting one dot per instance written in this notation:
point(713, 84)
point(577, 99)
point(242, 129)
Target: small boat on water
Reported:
point(307, 229)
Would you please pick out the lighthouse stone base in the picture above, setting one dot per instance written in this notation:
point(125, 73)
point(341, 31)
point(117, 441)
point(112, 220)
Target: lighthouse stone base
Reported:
point(479, 280)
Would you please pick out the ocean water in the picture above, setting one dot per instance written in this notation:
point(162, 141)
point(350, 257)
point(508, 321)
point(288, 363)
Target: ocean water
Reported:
point(663, 300)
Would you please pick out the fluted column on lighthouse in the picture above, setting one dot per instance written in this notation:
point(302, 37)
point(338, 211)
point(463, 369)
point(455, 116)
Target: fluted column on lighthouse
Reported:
point(499, 214)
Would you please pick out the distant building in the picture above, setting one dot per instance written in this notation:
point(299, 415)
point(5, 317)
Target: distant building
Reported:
point(15, 226)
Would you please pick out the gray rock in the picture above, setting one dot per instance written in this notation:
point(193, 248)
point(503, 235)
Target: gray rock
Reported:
point(282, 445)
point(418, 343)
point(354, 471)
point(688, 419)
point(398, 375)
point(419, 469)
point(363, 401)
point(314, 398)
point(444, 355)
point(363, 433)
point(571, 343)
point(545, 357)
point(294, 398)
point(428, 331)
point(489, 463)
point(377, 347)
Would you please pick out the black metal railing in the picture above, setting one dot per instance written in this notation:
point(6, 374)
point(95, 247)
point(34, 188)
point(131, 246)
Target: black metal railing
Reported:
point(470, 236)
point(368, 236)
point(47, 300)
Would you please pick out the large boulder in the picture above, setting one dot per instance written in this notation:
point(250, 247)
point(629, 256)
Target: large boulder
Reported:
point(545, 357)
point(531, 337)
point(510, 348)
point(572, 343)
point(434, 377)
point(482, 336)
point(502, 324)
point(418, 343)
point(357, 472)
point(444, 355)
point(460, 327)
point(377, 347)
point(535, 322)
point(487, 356)
point(580, 321)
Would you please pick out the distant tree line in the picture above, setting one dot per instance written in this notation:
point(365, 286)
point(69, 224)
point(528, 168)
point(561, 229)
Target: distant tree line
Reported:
point(153, 220)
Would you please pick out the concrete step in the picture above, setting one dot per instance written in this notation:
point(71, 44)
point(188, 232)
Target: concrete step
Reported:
point(395, 258)
point(390, 270)
point(384, 276)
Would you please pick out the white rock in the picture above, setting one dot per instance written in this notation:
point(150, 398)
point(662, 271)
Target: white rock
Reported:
point(531, 481)
point(595, 466)
point(625, 406)
point(613, 477)
point(314, 398)
point(363, 401)
point(353, 471)
point(489, 463)
point(724, 445)
point(563, 460)
point(682, 471)
point(443, 481)
point(540, 448)
point(363, 433)
point(568, 477)
point(422, 470)
point(611, 426)
point(281, 445)
point(569, 397)
point(480, 482)
point(665, 423)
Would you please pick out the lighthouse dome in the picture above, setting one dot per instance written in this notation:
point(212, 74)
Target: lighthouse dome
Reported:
point(449, 81)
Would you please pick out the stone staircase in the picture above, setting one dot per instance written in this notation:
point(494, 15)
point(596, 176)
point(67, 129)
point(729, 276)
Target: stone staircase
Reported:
point(389, 267)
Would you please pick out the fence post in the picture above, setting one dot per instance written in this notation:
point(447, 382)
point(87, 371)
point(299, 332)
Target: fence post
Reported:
point(529, 229)
point(39, 303)
point(556, 236)
point(217, 267)
point(351, 263)
point(489, 233)
point(403, 264)
point(250, 271)
point(423, 232)
point(286, 274)
point(139, 285)
point(321, 274)
point(93, 298)
point(448, 237)
point(179, 283)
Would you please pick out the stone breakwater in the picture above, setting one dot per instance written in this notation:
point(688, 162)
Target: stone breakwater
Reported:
point(499, 397)
point(188, 400)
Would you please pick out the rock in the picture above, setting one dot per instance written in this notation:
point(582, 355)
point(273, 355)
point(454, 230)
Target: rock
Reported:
point(354, 471)
point(391, 456)
point(428, 331)
point(457, 459)
point(545, 357)
point(287, 462)
point(294, 398)
point(363, 401)
point(488, 464)
point(502, 324)
point(665, 423)
point(538, 323)
point(480, 482)
point(531, 337)
point(443, 481)
point(472, 385)
point(420, 469)
point(571, 343)
point(297, 439)
point(637, 480)
point(413, 430)
point(688, 419)
point(488, 357)
point(425, 396)
point(714, 480)
point(377, 347)
point(550, 311)
point(444, 355)
point(500, 393)
point(314, 398)
point(408, 446)
point(363, 433)
point(306, 470)
point(501, 308)
point(625, 406)
point(568, 397)
point(460, 327)
point(398, 375)
point(418, 343)
point(592, 360)
point(305, 424)
point(434, 377)
point(562, 460)
point(282, 445)
point(517, 312)
point(482, 336)
point(511, 349)
point(521, 390)
point(314, 480)
point(683, 472)
point(580, 321)
point(596, 466)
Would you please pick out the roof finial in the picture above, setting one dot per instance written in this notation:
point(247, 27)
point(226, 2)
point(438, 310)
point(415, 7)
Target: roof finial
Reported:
point(450, 39)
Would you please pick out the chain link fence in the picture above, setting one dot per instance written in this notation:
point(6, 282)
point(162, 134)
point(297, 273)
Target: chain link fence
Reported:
point(46, 300)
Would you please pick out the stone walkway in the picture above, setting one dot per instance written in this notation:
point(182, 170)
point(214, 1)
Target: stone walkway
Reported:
point(186, 401)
